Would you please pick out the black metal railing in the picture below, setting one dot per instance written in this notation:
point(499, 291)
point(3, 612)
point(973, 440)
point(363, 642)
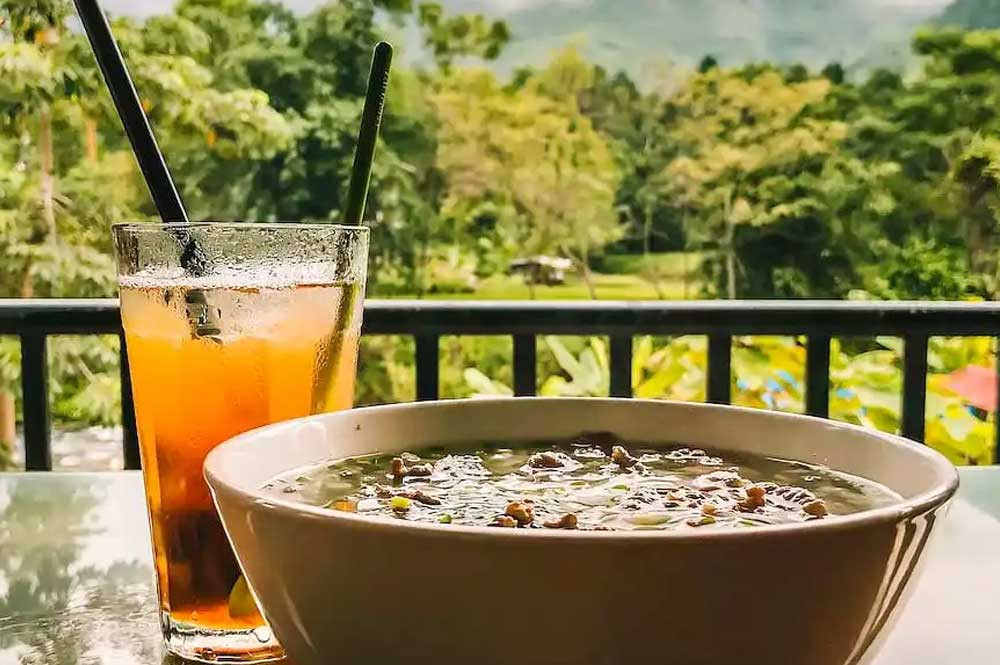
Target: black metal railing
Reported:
point(33, 321)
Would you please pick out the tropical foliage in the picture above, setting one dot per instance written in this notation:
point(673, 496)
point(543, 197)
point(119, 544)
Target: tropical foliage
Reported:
point(768, 373)
point(779, 181)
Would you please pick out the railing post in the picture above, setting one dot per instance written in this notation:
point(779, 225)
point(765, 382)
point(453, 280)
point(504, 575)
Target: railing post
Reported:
point(35, 394)
point(720, 356)
point(525, 366)
point(818, 376)
point(130, 438)
point(996, 407)
point(427, 367)
point(914, 386)
point(621, 366)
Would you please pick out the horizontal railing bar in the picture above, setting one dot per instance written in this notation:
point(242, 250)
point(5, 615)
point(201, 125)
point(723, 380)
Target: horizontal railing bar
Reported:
point(768, 317)
point(690, 317)
point(82, 316)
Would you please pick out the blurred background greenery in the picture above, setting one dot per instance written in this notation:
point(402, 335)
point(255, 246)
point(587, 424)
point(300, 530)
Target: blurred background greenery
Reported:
point(667, 150)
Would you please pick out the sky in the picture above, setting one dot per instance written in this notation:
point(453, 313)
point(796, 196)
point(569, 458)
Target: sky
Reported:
point(149, 7)
point(142, 8)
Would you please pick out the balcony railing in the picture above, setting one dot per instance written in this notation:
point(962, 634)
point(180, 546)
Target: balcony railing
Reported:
point(33, 321)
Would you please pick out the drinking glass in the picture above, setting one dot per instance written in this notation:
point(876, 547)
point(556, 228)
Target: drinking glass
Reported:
point(228, 326)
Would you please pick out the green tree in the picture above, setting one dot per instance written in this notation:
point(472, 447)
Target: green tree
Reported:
point(450, 37)
point(66, 172)
point(742, 135)
point(977, 175)
point(928, 127)
point(239, 93)
point(635, 125)
point(923, 270)
point(314, 70)
point(530, 158)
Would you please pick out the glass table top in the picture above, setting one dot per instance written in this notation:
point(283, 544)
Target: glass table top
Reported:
point(76, 580)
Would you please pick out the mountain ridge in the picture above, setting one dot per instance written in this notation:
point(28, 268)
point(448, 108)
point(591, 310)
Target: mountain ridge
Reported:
point(630, 35)
point(639, 36)
point(976, 14)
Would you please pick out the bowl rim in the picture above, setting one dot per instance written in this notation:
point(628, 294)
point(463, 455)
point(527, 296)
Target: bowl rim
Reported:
point(945, 486)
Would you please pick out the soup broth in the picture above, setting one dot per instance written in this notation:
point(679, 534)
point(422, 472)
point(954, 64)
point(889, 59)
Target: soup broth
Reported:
point(595, 482)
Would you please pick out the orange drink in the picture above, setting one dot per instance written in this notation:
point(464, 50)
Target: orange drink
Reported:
point(215, 355)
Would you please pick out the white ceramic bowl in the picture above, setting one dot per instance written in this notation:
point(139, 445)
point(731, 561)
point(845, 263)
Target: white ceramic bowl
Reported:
point(345, 589)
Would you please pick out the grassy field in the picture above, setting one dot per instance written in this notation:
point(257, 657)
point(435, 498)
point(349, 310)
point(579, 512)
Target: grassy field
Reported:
point(628, 282)
point(608, 287)
point(666, 264)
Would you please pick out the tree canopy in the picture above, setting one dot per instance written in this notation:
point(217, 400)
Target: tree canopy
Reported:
point(784, 181)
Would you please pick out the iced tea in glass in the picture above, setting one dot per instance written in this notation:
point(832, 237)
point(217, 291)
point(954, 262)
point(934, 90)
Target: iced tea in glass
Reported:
point(228, 327)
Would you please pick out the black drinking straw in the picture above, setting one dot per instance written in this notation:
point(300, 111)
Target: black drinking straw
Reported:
point(354, 210)
point(201, 315)
point(371, 118)
point(140, 134)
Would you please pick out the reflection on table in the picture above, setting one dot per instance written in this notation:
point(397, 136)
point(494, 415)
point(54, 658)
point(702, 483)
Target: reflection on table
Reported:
point(76, 580)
